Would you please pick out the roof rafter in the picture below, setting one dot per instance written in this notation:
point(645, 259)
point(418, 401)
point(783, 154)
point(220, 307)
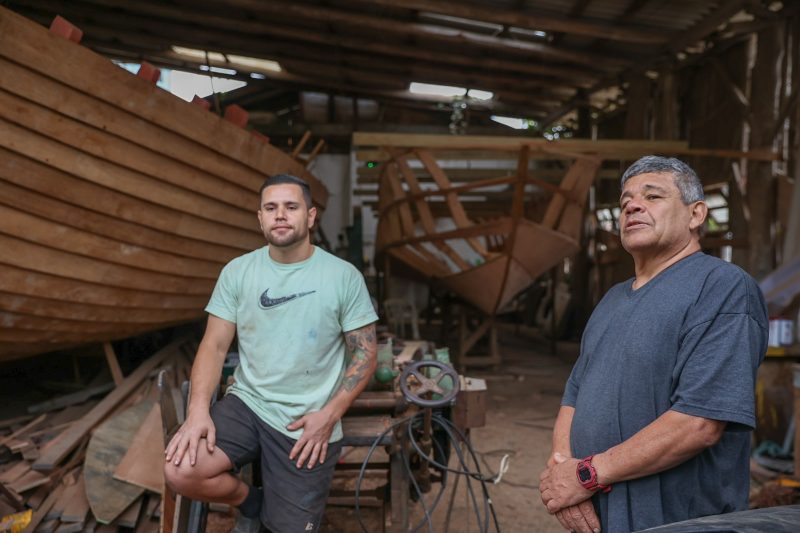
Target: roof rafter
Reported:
point(523, 19)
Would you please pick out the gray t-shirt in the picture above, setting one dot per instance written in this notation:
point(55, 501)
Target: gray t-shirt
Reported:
point(689, 340)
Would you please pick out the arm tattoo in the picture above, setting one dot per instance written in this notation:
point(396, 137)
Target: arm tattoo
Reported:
point(363, 349)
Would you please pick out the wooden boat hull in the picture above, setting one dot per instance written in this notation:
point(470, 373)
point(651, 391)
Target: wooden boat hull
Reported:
point(485, 262)
point(119, 202)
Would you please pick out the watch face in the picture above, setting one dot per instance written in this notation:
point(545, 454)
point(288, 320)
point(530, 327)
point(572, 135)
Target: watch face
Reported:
point(584, 474)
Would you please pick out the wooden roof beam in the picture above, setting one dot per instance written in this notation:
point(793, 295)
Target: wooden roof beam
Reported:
point(349, 40)
point(686, 38)
point(299, 82)
point(456, 38)
point(527, 20)
point(135, 36)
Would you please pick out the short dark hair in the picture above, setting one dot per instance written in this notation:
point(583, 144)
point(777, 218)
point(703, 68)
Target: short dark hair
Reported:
point(683, 175)
point(281, 179)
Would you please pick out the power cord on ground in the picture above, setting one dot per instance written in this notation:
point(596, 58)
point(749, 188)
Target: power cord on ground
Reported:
point(458, 441)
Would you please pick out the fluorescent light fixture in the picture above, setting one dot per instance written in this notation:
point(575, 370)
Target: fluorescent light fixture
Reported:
point(242, 62)
point(220, 70)
point(488, 27)
point(527, 32)
point(257, 76)
point(255, 63)
point(198, 54)
point(477, 94)
point(511, 122)
point(436, 90)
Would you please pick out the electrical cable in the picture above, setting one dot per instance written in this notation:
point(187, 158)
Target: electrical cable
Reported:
point(438, 496)
point(477, 475)
point(413, 423)
point(464, 470)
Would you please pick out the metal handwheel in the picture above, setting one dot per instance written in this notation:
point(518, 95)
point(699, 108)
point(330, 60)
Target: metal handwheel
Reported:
point(429, 384)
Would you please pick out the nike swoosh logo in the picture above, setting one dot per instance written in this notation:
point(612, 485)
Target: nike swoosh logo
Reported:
point(266, 302)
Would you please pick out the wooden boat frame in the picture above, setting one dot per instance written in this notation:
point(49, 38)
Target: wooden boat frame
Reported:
point(507, 263)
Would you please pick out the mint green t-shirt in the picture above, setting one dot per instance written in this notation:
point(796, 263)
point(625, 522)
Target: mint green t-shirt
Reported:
point(290, 320)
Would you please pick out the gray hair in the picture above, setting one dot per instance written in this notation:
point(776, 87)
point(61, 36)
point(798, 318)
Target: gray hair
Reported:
point(685, 178)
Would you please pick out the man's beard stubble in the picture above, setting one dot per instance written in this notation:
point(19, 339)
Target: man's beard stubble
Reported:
point(288, 240)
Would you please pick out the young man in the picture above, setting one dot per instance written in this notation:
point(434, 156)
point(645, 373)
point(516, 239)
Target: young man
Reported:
point(655, 420)
point(293, 308)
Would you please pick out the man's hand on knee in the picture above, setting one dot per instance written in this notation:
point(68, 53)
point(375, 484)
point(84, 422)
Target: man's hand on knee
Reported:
point(196, 427)
point(312, 446)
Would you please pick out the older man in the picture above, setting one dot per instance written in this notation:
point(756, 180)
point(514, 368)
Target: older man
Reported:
point(655, 422)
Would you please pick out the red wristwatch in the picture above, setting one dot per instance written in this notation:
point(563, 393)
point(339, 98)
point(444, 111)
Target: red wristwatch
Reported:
point(587, 476)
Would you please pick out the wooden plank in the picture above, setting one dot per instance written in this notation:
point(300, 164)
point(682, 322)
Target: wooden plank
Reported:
point(55, 235)
point(458, 39)
point(67, 527)
point(108, 497)
point(453, 203)
point(301, 144)
point(35, 201)
point(143, 463)
point(100, 146)
point(77, 505)
point(355, 42)
point(48, 180)
point(41, 89)
point(423, 210)
point(169, 509)
point(113, 363)
point(29, 283)
point(6, 508)
point(90, 526)
point(131, 515)
point(68, 159)
point(15, 472)
point(67, 441)
point(14, 421)
point(17, 322)
point(38, 496)
point(27, 43)
point(43, 509)
point(69, 399)
point(535, 21)
point(48, 527)
point(22, 431)
point(29, 481)
point(403, 210)
point(50, 308)
point(508, 143)
point(517, 215)
point(12, 497)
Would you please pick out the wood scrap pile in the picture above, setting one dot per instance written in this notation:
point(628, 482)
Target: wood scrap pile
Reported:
point(97, 465)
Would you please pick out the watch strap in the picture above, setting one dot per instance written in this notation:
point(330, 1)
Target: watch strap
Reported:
point(590, 484)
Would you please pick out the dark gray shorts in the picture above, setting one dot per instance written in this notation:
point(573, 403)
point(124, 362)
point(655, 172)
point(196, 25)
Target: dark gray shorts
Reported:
point(294, 498)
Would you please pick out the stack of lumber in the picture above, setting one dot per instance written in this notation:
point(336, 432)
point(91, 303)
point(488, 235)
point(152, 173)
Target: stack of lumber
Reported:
point(96, 465)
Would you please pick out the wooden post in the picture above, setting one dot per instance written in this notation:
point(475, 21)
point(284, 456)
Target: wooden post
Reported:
point(796, 369)
point(636, 117)
point(581, 267)
point(113, 363)
point(666, 106)
point(399, 482)
point(760, 198)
